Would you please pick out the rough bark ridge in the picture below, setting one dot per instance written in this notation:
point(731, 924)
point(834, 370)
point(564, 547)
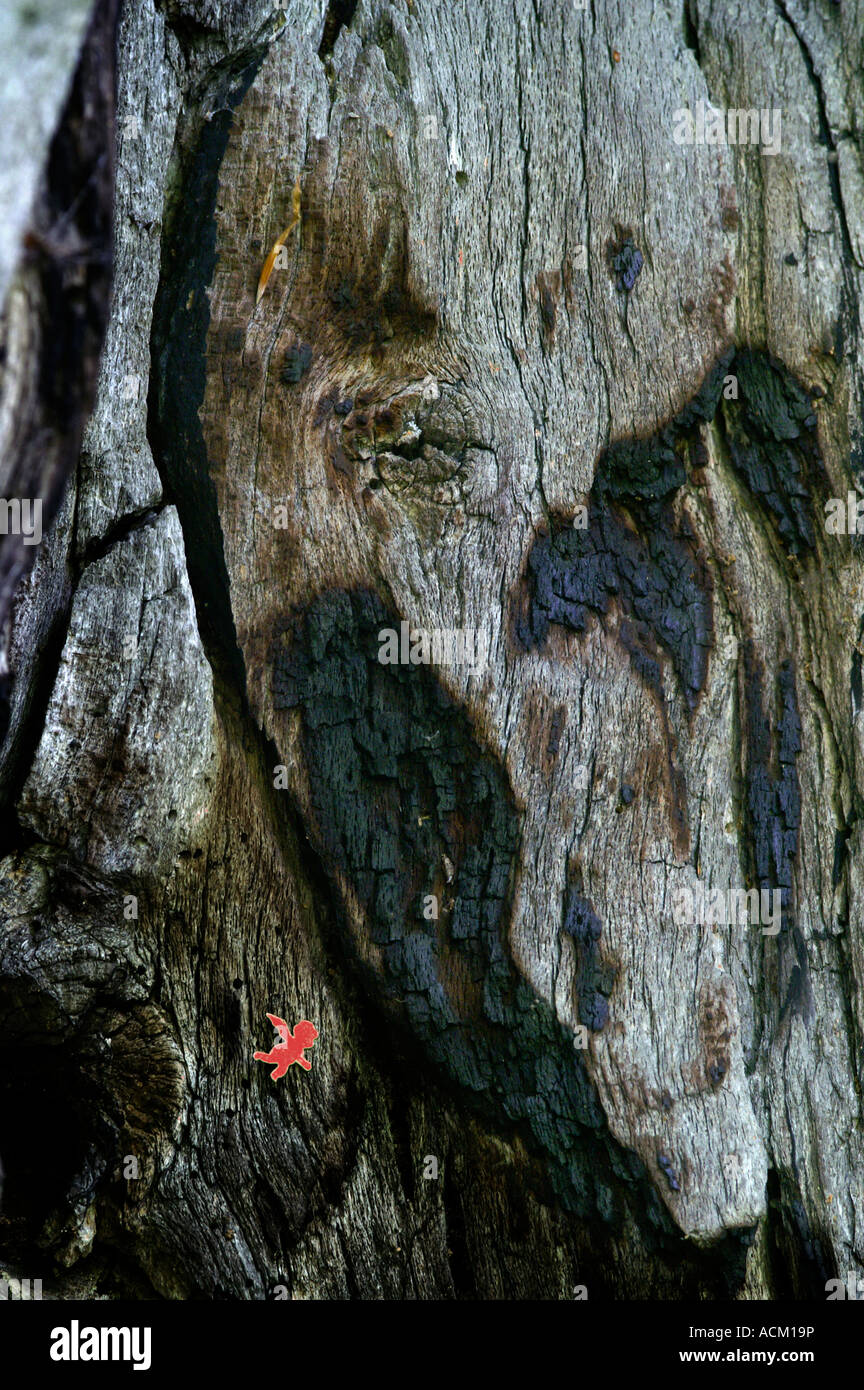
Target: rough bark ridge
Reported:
point(530, 367)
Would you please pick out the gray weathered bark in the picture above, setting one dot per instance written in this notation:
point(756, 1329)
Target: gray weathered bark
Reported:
point(221, 804)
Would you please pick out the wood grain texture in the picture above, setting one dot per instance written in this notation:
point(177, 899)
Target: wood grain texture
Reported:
point(457, 361)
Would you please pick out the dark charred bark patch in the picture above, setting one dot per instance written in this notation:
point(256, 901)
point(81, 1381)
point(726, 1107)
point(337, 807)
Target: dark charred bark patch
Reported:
point(595, 979)
point(773, 818)
point(655, 574)
point(409, 808)
point(638, 551)
point(771, 435)
point(635, 552)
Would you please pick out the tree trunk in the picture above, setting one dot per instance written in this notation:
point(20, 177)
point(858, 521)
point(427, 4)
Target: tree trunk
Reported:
point(535, 369)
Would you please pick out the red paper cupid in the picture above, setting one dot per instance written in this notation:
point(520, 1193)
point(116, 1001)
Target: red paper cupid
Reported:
point(291, 1047)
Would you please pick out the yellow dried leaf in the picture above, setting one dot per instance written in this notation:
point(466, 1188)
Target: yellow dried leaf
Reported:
point(267, 268)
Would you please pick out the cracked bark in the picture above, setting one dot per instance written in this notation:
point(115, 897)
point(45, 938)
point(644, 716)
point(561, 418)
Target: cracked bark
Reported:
point(430, 388)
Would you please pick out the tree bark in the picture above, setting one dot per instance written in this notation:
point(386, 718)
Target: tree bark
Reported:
point(529, 368)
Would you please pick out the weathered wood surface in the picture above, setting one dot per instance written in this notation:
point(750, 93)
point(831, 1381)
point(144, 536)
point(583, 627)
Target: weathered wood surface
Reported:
point(58, 221)
point(404, 428)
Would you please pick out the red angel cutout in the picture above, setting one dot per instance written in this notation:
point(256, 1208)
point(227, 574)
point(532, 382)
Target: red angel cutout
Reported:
point(291, 1047)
